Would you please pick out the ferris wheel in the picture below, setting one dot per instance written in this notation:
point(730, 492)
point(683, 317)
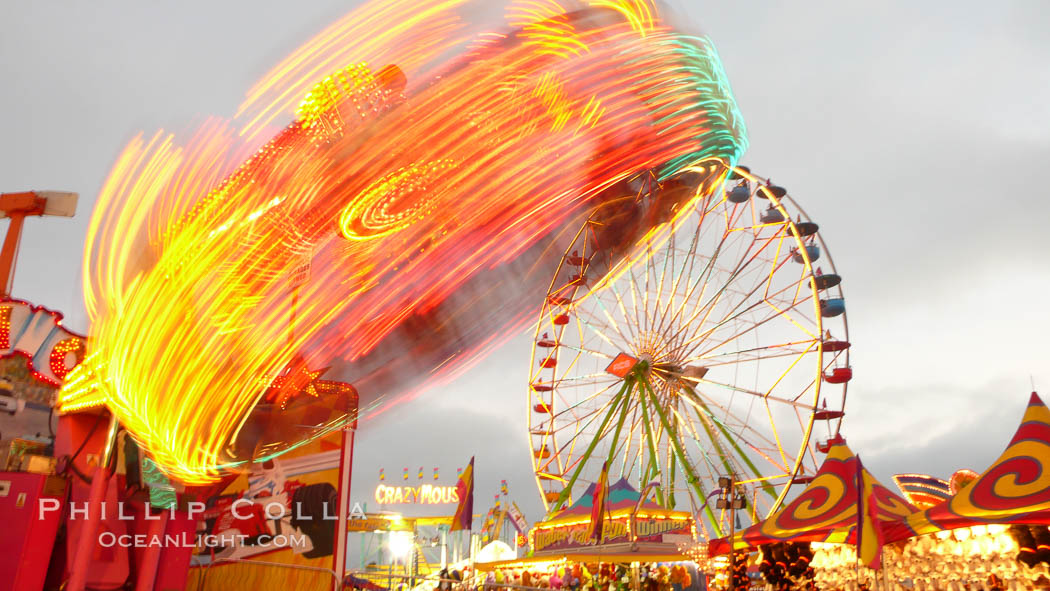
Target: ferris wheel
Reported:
point(715, 345)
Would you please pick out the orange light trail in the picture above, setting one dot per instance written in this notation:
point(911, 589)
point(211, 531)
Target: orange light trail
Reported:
point(425, 198)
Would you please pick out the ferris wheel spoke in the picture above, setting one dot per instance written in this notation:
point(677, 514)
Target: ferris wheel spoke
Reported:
point(785, 314)
point(577, 423)
point(571, 408)
point(580, 381)
point(746, 261)
point(689, 347)
point(592, 325)
point(614, 444)
point(669, 261)
point(591, 352)
point(624, 468)
point(635, 297)
point(670, 320)
point(623, 312)
point(776, 266)
point(715, 428)
point(674, 318)
point(737, 273)
point(695, 436)
point(689, 258)
point(776, 432)
point(693, 479)
point(647, 318)
point(698, 334)
point(778, 350)
point(696, 401)
point(731, 213)
point(652, 464)
point(619, 398)
point(698, 339)
point(761, 395)
point(806, 424)
point(704, 276)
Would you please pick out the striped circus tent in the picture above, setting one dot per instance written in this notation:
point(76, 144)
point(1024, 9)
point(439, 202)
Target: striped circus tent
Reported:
point(621, 498)
point(825, 511)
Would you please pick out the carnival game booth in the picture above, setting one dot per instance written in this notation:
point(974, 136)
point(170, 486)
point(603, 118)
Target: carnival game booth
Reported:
point(632, 528)
point(639, 541)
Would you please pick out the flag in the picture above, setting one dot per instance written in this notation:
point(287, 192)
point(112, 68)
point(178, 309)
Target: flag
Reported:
point(503, 487)
point(435, 473)
point(382, 475)
point(404, 473)
point(486, 526)
point(465, 489)
point(869, 529)
point(421, 472)
point(601, 491)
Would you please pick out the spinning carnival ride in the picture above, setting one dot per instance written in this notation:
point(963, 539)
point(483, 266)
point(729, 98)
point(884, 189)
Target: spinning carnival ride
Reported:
point(714, 347)
point(427, 199)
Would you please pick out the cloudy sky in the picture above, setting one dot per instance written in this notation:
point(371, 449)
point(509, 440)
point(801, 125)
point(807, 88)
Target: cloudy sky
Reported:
point(916, 133)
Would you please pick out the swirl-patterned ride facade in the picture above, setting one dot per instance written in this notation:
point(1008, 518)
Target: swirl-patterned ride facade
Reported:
point(1014, 489)
point(826, 510)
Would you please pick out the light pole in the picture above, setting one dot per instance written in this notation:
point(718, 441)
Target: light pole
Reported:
point(729, 499)
point(16, 206)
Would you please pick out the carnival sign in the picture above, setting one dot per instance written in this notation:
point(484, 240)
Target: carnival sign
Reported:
point(36, 333)
point(517, 518)
point(615, 531)
point(371, 523)
point(426, 494)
